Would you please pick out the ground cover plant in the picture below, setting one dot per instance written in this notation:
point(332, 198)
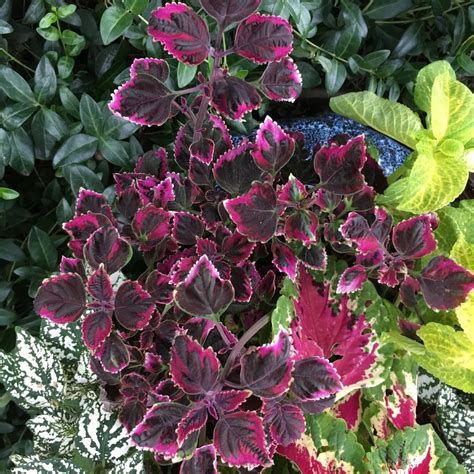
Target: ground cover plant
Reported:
point(236, 305)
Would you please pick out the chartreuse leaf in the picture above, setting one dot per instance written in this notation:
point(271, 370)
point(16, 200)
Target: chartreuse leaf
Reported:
point(284, 310)
point(465, 315)
point(392, 119)
point(449, 355)
point(8, 194)
point(425, 80)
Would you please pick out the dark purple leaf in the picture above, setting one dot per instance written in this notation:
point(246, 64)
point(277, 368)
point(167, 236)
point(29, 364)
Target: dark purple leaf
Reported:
point(203, 150)
point(302, 226)
point(293, 192)
point(267, 286)
point(193, 421)
point(203, 292)
point(230, 11)
point(255, 213)
point(363, 200)
point(61, 298)
point(286, 422)
point(151, 224)
point(237, 248)
point(233, 97)
point(160, 287)
point(90, 201)
point(284, 259)
point(131, 414)
point(445, 284)
point(352, 279)
point(192, 367)
point(274, 147)
point(339, 167)
point(153, 162)
point(356, 229)
point(413, 238)
point(239, 439)
point(282, 81)
point(186, 228)
point(393, 273)
point(113, 354)
point(314, 257)
point(163, 193)
point(203, 461)
point(133, 305)
point(409, 290)
point(230, 400)
point(314, 378)
point(95, 329)
point(99, 286)
point(72, 265)
point(134, 385)
point(263, 38)
point(199, 173)
point(107, 247)
point(129, 201)
point(315, 407)
point(182, 32)
point(242, 285)
point(266, 370)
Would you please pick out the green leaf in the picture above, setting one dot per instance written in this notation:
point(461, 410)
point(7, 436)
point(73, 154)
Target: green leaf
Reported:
point(15, 115)
point(34, 465)
point(449, 355)
point(42, 249)
point(14, 86)
point(6, 317)
point(465, 315)
point(66, 10)
point(45, 81)
point(54, 124)
point(353, 16)
point(63, 211)
point(336, 74)
point(10, 251)
point(70, 102)
point(386, 9)
point(116, 127)
point(8, 194)
point(49, 34)
point(114, 152)
point(91, 116)
point(75, 149)
point(113, 23)
point(35, 11)
point(185, 74)
point(434, 181)
point(376, 58)
point(283, 312)
point(410, 40)
point(348, 41)
point(80, 176)
point(424, 82)
point(392, 119)
point(5, 28)
point(137, 7)
point(65, 66)
point(22, 158)
point(48, 20)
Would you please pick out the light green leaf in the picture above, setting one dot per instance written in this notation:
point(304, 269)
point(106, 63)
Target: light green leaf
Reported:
point(463, 253)
point(66, 10)
point(75, 149)
point(65, 66)
point(185, 74)
point(113, 23)
point(42, 249)
point(282, 314)
point(465, 315)
point(14, 86)
point(8, 194)
point(49, 19)
point(392, 119)
point(424, 82)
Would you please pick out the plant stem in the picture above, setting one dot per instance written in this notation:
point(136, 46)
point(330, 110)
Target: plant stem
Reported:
point(144, 20)
point(16, 60)
point(413, 20)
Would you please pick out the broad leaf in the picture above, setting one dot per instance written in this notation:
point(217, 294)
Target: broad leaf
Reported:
point(286, 422)
point(151, 225)
point(282, 80)
point(204, 460)
point(96, 327)
point(133, 305)
point(284, 259)
point(232, 11)
point(186, 228)
point(193, 422)
point(352, 279)
point(113, 354)
point(114, 23)
point(413, 238)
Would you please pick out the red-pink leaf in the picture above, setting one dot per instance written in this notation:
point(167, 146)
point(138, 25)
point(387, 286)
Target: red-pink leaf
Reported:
point(203, 461)
point(350, 410)
point(61, 298)
point(240, 440)
point(266, 370)
point(193, 421)
point(230, 11)
point(352, 279)
point(274, 147)
point(284, 259)
point(99, 286)
point(95, 328)
point(263, 38)
point(282, 81)
point(255, 213)
point(182, 32)
point(230, 400)
point(293, 192)
point(160, 287)
point(186, 228)
point(113, 354)
point(72, 265)
point(203, 292)
point(413, 238)
point(303, 454)
point(242, 285)
point(302, 226)
point(233, 97)
point(192, 367)
point(203, 150)
point(90, 201)
point(409, 290)
point(133, 305)
point(151, 224)
point(401, 408)
point(286, 422)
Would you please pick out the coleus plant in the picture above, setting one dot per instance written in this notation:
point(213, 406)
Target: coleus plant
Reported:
point(207, 241)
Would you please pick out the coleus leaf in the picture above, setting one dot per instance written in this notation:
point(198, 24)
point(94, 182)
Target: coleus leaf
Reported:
point(186, 228)
point(96, 327)
point(182, 32)
point(445, 284)
point(274, 147)
point(151, 224)
point(160, 287)
point(293, 192)
point(193, 421)
point(413, 238)
point(132, 413)
point(263, 38)
point(72, 265)
point(340, 167)
point(144, 99)
point(203, 292)
point(284, 259)
point(255, 213)
point(352, 279)
point(314, 257)
point(203, 150)
point(242, 285)
point(266, 370)
point(286, 422)
point(232, 96)
point(282, 81)
point(203, 461)
point(302, 226)
point(61, 298)
point(133, 305)
point(106, 247)
point(235, 170)
point(231, 11)
point(99, 285)
point(192, 367)
point(113, 354)
point(230, 400)
point(158, 428)
point(90, 201)
point(239, 439)
point(237, 248)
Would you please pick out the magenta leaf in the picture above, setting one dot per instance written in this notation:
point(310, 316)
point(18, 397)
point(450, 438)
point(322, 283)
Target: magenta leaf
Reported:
point(282, 81)
point(286, 422)
point(203, 150)
point(339, 167)
point(192, 367)
point(242, 285)
point(233, 97)
point(230, 11)
point(203, 292)
point(239, 439)
point(186, 228)
point(236, 170)
point(193, 421)
point(230, 400)
point(182, 32)
point(413, 238)
point(263, 38)
point(409, 290)
point(99, 286)
point(274, 147)
point(293, 192)
point(72, 265)
point(163, 193)
point(445, 284)
point(350, 409)
point(151, 224)
point(107, 247)
point(237, 248)
point(352, 279)
point(160, 287)
point(314, 378)
point(90, 201)
point(95, 329)
point(113, 354)
point(266, 370)
point(133, 305)
point(356, 229)
point(153, 162)
point(158, 428)
point(284, 259)
point(401, 407)
point(302, 226)
point(314, 257)
point(203, 461)
point(255, 213)
point(61, 298)
point(267, 286)
point(144, 99)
